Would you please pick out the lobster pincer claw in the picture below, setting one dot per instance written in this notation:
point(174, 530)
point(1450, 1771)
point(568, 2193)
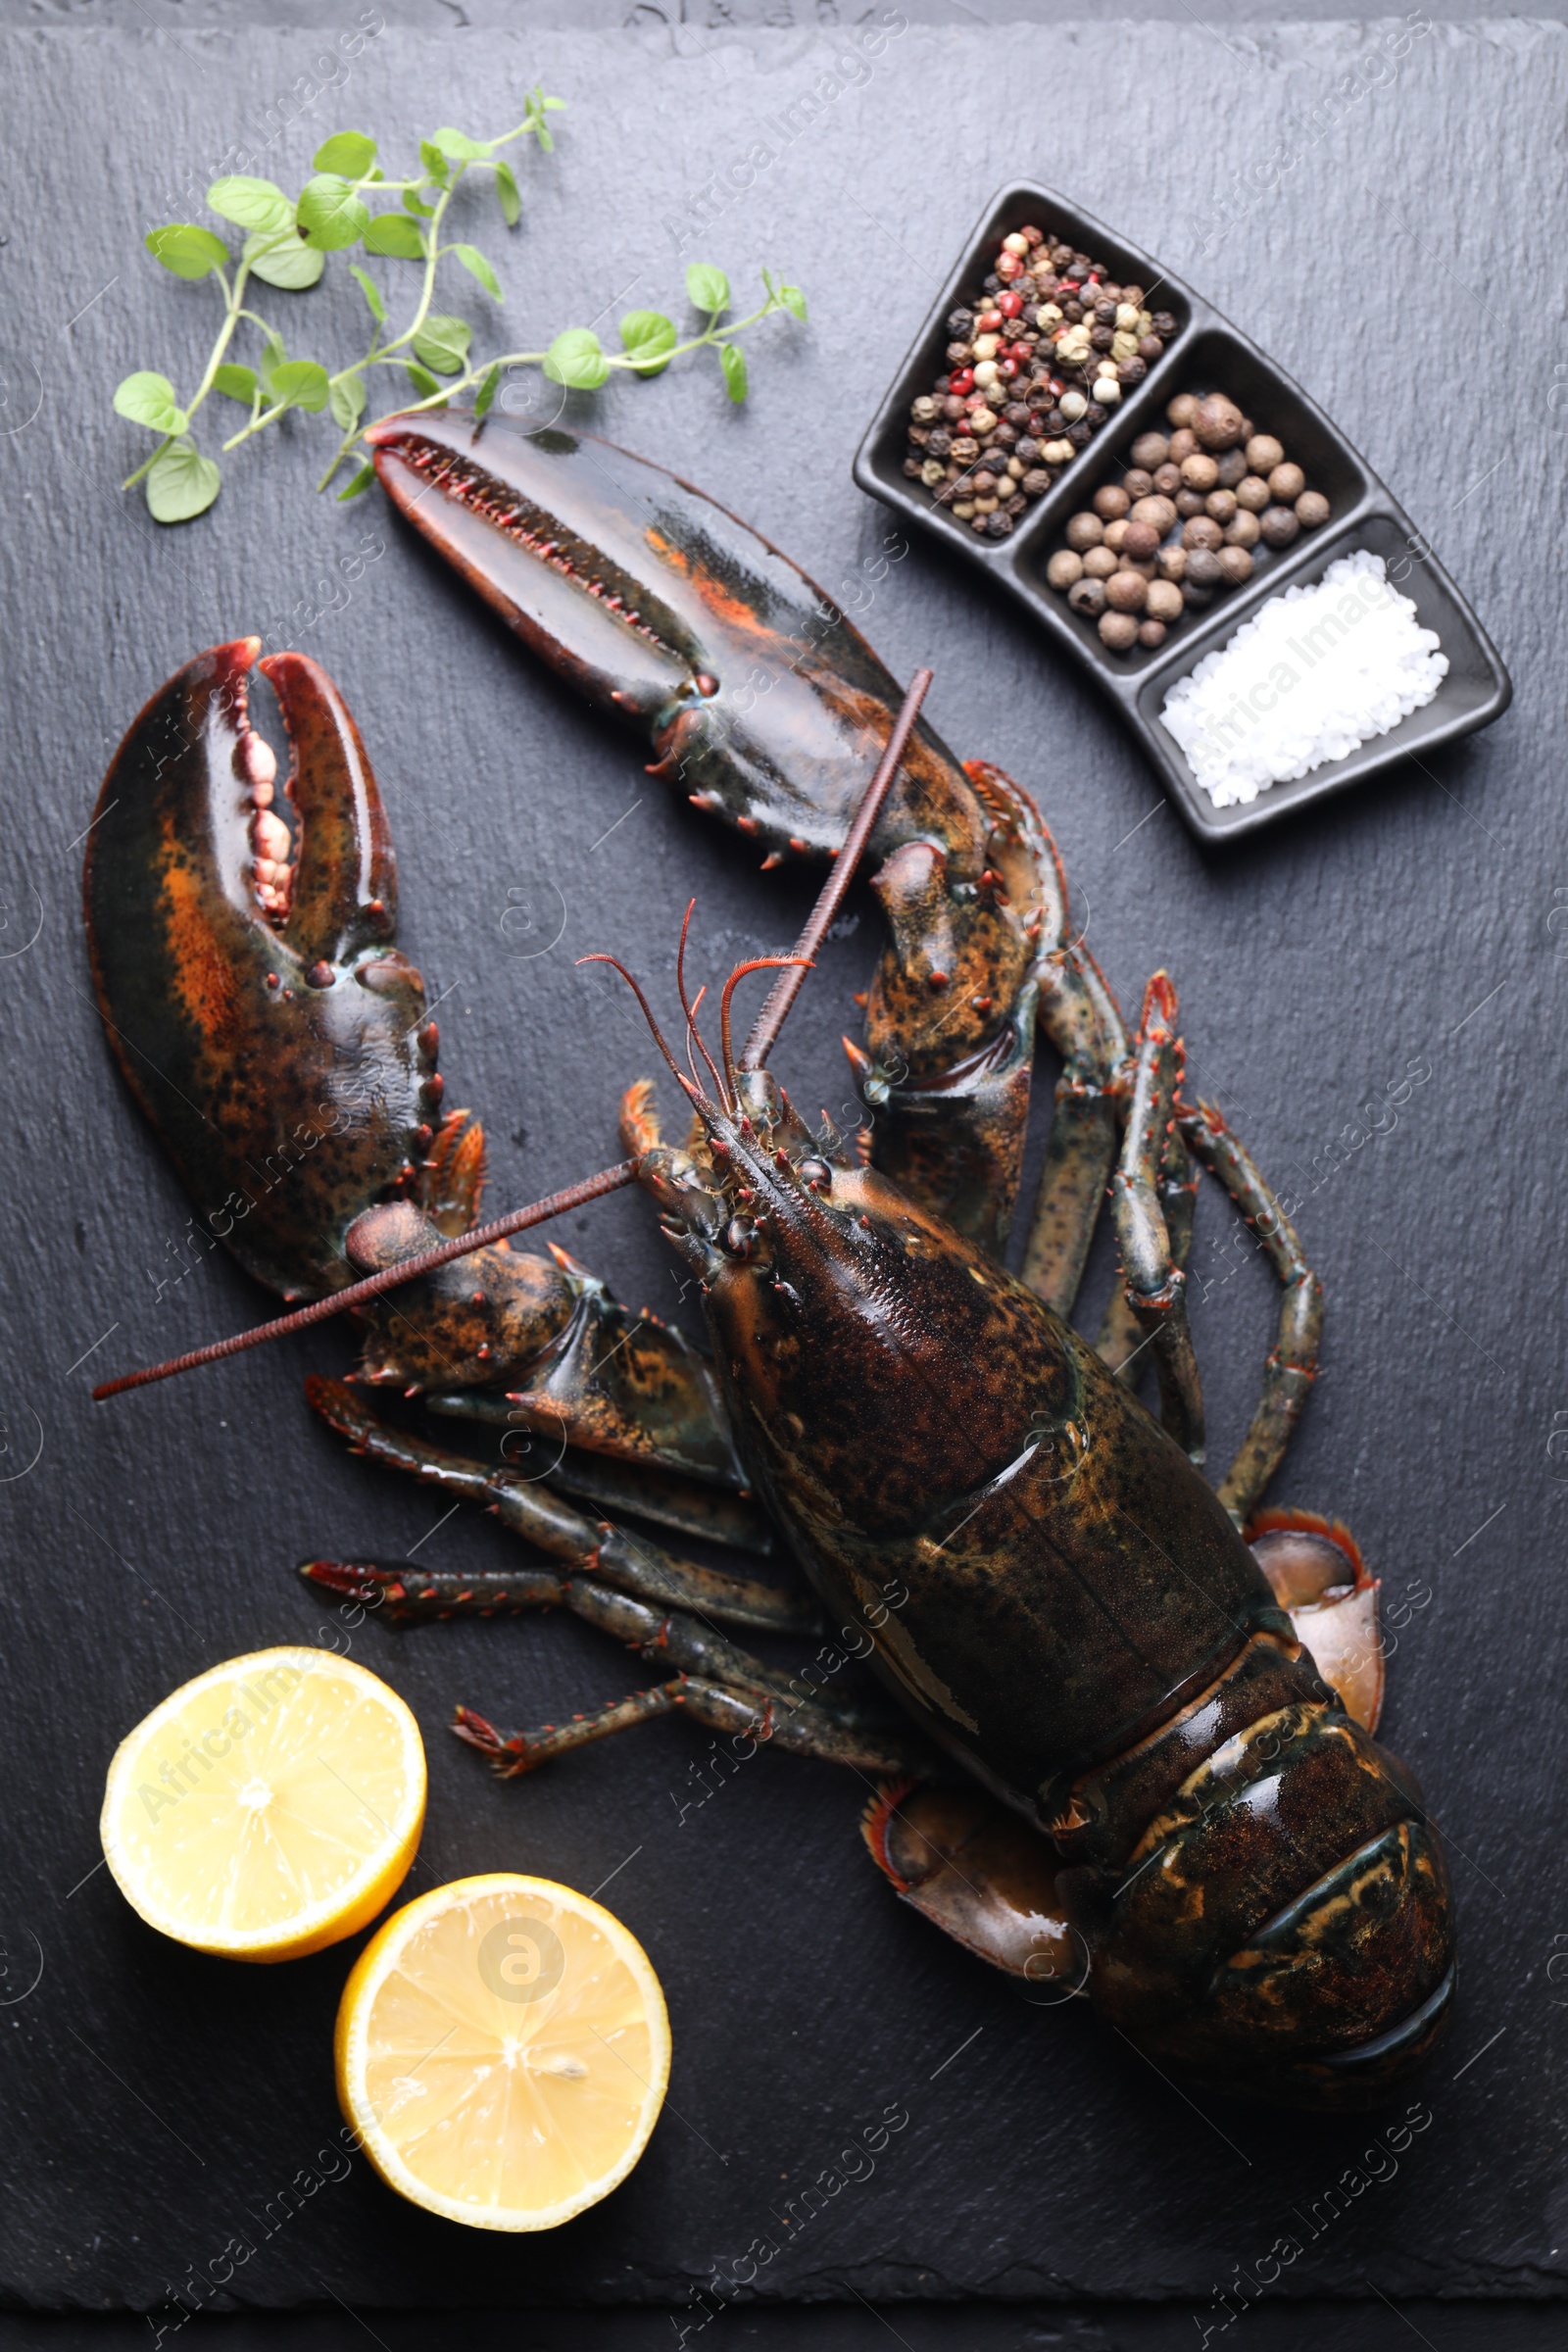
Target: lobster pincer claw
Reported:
point(752, 689)
point(242, 932)
point(759, 699)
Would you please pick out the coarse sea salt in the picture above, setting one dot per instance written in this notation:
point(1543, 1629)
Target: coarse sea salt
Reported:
point(1316, 671)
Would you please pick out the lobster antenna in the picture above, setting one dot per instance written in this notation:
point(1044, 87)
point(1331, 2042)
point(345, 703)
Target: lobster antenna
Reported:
point(787, 987)
point(708, 1110)
point(690, 1009)
point(759, 963)
point(516, 1220)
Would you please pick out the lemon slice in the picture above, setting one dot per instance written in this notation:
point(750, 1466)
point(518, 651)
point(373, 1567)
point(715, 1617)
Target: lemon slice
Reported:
point(267, 1808)
point(501, 2051)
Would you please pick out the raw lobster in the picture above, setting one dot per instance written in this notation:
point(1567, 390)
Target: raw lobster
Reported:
point(1133, 1750)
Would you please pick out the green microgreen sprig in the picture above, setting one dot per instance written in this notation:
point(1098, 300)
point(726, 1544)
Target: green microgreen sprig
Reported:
point(286, 241)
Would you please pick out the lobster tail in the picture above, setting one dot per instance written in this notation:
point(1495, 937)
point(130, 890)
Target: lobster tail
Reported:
point(1282, 1925)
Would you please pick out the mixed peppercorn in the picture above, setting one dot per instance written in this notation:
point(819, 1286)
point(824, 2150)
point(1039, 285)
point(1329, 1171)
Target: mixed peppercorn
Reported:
point(1180, 526)
point(1034, 369)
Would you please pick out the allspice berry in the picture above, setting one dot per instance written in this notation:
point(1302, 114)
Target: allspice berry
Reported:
point(1251, 492)
point(1171, 563)
point(1111, 501)
point(1218, 421)
point(1278, 526)
point(1203, 571)
point(1151, 450)
point(1088, 597)
point(1286, 484)
point(1086, 531)
point(1265, 452)
point(1158, 512)
point(1151, 633)
point(1242, 530)
point(1163, 601)
point(1221, 504)
point(1065, 566)
point(1236, 565)
point(1119, 631)
point(1168, 480)
point(1201, 532)
point(1180, 410)
point(1232, 467)
point(1311, 509)
point(1139, 540)
point(1138, 482)
point(1182, 445)
point(1200, 471)
point(1126, 593)
point(1099, 564)
point(1116, 533)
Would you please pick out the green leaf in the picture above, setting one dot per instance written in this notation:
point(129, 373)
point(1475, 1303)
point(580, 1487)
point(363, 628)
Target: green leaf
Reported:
point(461, 148)
point(792, 300)
point(434, 162)
point(330, 214)
point(235, 383)
point(508, 191)
point(650, 338)
point(485, 396)
point(300, 384)
point(276, 354)
point(416, 206)
point(371, 293)
point(476, 265)
point(189, 251)
point(395, 234)
point(422, 381)
point(183, 483)
point(290, 265)
point(362, 481)
point(575, 359)
point(349, 152)
point(733, 362)
point(708, 287)
point(347, 403)
point(442, 343)
point(149, 399)
point(251, 203)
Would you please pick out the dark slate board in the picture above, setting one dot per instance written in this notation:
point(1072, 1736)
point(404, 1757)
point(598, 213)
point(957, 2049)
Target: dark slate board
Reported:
point(1406, 271)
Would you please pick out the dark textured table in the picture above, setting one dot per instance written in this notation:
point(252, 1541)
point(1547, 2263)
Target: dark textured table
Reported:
point(1407, 271)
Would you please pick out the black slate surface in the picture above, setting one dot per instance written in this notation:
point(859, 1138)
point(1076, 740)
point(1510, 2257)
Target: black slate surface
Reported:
point(1406, 271)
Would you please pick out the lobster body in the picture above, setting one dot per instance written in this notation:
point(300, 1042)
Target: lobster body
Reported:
point(1188, 1805)
point(1262, 1901)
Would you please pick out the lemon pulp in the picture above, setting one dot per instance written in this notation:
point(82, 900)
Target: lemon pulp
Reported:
point(503, 2050)
point(267, 1808)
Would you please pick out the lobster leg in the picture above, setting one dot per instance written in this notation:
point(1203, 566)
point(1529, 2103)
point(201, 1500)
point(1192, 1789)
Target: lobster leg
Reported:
point(530, 1510)
point(1292, 1364)
point(723, 1687)
point(1156, 1283)
point(744, 1712)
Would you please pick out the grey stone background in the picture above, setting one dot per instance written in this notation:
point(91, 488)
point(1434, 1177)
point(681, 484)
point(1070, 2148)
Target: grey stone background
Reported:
point(1408, 273)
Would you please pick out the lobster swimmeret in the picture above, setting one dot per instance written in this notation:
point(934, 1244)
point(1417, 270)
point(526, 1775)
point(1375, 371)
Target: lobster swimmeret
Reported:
point(1135, 1748)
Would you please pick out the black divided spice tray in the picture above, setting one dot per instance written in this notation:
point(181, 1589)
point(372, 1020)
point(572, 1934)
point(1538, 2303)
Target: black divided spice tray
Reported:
point(1207, 352)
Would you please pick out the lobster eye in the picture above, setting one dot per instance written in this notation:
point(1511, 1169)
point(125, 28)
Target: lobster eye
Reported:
point(816, 1173)
point(741, 1238)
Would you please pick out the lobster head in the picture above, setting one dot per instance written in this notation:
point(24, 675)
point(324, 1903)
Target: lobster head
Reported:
point(240, 928)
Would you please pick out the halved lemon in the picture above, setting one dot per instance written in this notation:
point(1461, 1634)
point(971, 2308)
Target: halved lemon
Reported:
point(267, 1808)
point(501, 2052)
